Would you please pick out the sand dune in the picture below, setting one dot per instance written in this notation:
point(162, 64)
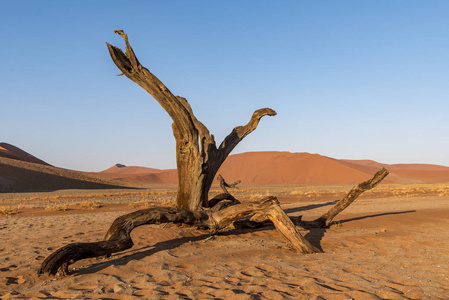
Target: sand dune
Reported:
point(274, 168)
point(285, 168)
point(163, 177)
point(405, 173)
point(17, 176)
point(10, 151)
point(252, 168)
point(139, 175)
point(120, 169)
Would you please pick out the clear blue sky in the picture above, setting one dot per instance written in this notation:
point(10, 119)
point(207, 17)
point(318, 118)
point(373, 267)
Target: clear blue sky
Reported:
point(349, 79)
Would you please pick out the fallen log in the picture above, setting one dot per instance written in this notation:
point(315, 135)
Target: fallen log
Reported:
point(118, 236)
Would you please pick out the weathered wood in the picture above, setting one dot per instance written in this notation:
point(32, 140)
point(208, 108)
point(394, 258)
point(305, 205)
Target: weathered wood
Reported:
point(58, 261)
point(224, 185)
point(326, 219)
point(118, 236)
point(221, 197)
point(197, 156)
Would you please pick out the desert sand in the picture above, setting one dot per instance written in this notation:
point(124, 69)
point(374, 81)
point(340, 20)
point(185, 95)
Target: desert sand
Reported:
point(392, 243)
point(280, 168)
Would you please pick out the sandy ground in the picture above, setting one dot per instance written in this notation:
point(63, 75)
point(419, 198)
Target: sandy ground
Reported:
point(380, 248)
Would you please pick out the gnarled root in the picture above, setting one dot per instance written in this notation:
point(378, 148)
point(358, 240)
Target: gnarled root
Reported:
point(118, 237)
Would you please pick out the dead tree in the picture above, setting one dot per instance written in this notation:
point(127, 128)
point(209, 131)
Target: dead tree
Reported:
point(198, 160)
point(197, 156)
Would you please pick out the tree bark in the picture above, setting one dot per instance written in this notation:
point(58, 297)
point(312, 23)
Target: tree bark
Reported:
point(118, 237)
point(197, 156)
point(221, 197)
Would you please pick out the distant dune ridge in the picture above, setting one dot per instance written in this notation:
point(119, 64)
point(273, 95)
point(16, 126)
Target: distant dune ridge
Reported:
point(10, 151)
point(286, 168)
point(139, 175)
point(20, 171)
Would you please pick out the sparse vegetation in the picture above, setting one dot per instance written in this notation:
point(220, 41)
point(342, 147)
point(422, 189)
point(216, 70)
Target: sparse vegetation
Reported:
point(60, 207)
point(13, 203)
point(9, 210)
point(153, 202)
point(91, 205)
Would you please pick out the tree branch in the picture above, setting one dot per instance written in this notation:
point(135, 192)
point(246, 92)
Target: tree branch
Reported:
point(326, 219)
point(224, 185)
point(221, 197)
point(240, 132)
point(131, 68)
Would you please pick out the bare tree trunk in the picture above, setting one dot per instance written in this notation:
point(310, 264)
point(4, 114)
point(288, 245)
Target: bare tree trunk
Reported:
point(118, 237)
point(197, 156)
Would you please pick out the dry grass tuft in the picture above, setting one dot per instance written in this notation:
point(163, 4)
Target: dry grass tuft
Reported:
point(91, 205)
point(60, 207)
point(336, 225)
point(143, 204)
point(153, 202)
point(9, 210)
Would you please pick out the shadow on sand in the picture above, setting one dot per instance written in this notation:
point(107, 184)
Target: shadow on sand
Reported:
point(308, 207)
point(135, 254)
point(314, 236)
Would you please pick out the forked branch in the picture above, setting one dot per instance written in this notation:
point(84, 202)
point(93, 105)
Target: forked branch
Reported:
point(224, 185)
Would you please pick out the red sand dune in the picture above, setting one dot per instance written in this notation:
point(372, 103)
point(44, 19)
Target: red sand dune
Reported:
point(277, 168)
point(139, 175)
point(10, 151)
point(269, 168)
point(120, 169)
point(285, 168)
point(22, 172)
point(405, 173)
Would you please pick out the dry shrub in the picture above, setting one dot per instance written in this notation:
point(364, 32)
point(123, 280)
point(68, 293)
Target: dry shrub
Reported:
point(154, 202)
point(9, 210)
point(336, 225)
point(91, 205)
point(143, 204)
point(58, 207)
point(296, 193)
